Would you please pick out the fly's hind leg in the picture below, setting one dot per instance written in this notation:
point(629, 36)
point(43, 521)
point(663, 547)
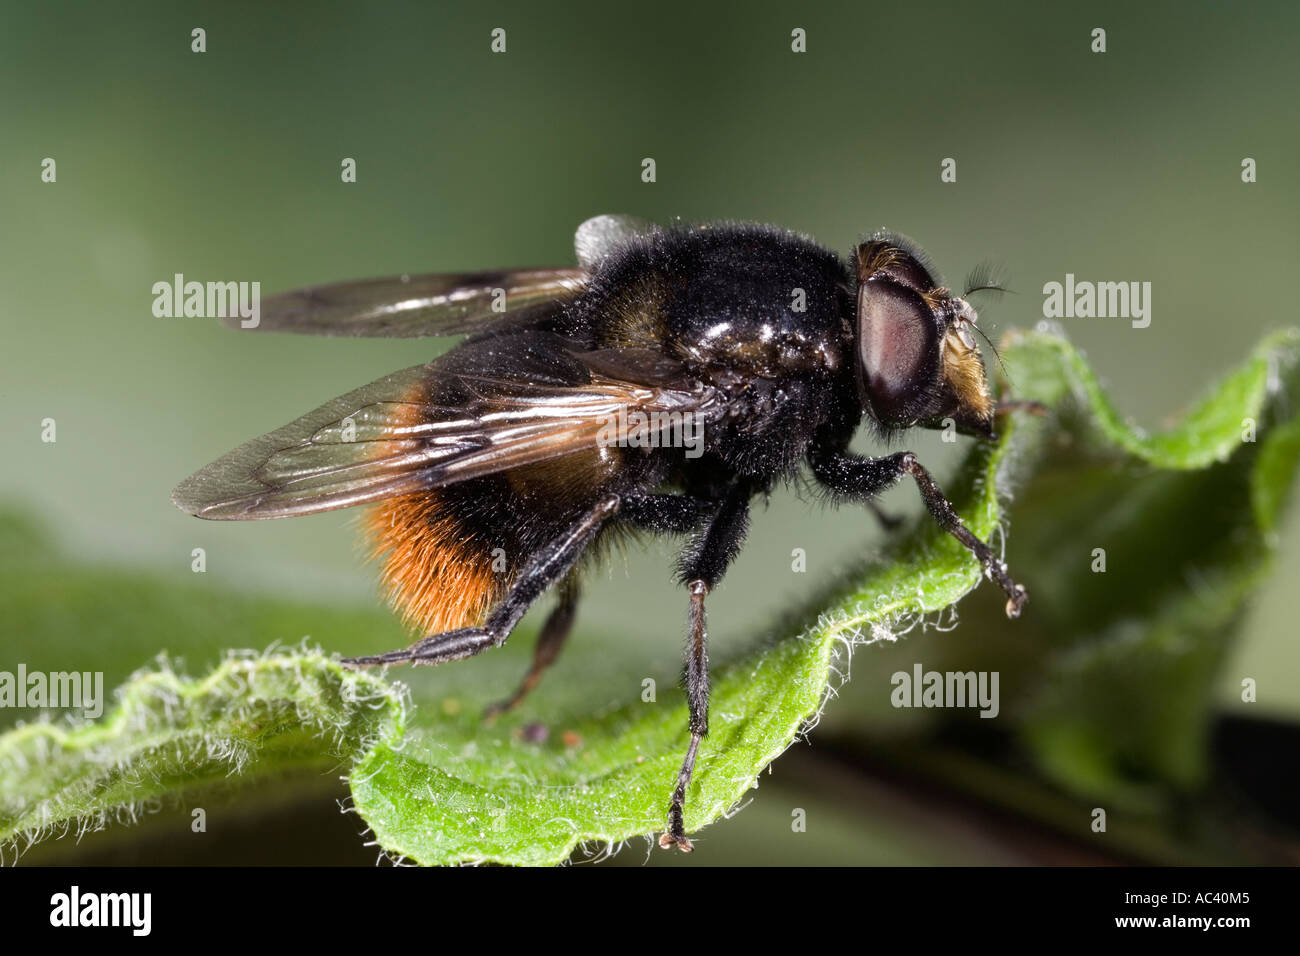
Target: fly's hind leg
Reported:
point(549, 643)
point(546, 567)
point(657, 513)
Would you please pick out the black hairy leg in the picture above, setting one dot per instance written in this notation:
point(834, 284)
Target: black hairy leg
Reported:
point(665, 514)
point(546, 567)
point(854, 477)
point(549, 643)
point(702, 565)
point(697, 695)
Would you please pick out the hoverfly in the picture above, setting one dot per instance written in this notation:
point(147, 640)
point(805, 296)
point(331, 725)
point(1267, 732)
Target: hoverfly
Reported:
point(774, 347)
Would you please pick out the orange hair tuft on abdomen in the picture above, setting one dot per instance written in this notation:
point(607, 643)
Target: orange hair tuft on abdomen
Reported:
point(433, 574)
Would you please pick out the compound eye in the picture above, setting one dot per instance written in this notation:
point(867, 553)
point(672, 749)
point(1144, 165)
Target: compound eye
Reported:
point(897, 342)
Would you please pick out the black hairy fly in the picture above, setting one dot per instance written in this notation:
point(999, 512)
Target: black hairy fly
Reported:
point(673, 376)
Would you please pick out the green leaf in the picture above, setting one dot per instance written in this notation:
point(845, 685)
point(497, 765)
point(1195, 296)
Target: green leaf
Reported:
point(252, 714)
point(444, 787)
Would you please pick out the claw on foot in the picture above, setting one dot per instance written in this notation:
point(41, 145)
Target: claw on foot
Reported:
point(1016, 601)
point(678, 840)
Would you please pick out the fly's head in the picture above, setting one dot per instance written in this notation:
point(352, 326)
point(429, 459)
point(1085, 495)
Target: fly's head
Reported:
point(918, 362)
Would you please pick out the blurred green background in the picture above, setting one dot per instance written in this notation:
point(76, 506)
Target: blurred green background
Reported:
point(225, 166)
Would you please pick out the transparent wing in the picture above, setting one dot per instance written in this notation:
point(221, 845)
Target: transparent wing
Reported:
point(412, 306)
point(437, 424)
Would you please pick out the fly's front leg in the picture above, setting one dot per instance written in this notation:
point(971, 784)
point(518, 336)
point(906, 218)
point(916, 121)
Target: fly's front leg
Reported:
point(854, 477)
point(545, 568)
point(944, 513)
